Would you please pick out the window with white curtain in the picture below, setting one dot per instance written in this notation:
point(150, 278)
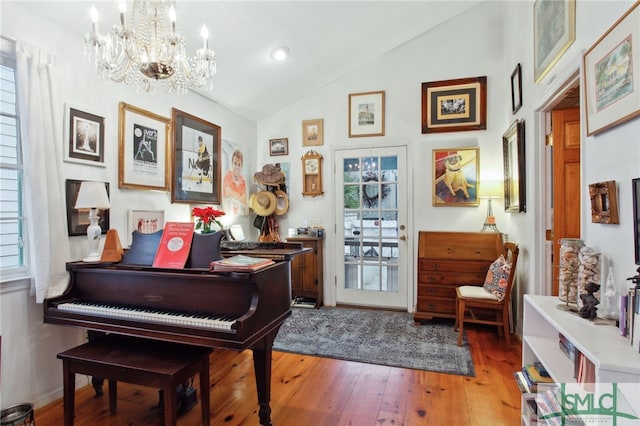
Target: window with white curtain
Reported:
point(12, 220)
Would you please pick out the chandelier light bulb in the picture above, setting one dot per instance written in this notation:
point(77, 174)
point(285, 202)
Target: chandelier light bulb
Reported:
point(93, 13)
point(122, 7)
point(204, 32)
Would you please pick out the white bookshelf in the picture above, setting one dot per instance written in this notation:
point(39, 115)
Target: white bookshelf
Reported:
point(614, 359)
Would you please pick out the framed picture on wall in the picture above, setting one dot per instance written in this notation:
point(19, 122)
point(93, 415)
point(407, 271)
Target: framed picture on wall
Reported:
point(513, 154)
point(312, 133)
point(279, 146)
point(145, 221)
point(604, 202)
point(455, 176)
point(516, 89)
point(78, 219)
point(611, 66)
point(197, 146)
point(143, 149)
point(366, 114)
point(83, 137)
point(454, 105)
point(554, 29)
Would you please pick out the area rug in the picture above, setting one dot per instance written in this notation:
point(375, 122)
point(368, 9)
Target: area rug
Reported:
point(375, 337)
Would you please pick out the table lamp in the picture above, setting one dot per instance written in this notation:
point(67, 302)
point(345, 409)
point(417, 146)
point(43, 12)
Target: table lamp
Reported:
point(491, 190)
point(93, 196)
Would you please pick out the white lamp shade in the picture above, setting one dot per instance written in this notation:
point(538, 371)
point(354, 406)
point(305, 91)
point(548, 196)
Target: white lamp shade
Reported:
point(92, 195)
point(491, 189)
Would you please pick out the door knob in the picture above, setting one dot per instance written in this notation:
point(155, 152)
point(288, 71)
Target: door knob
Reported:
point(403, 237)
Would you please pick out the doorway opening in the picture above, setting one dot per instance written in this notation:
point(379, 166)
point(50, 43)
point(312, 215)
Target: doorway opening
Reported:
point(562, 178)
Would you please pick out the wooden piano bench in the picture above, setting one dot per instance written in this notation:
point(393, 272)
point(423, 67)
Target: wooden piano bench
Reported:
point(143, 362)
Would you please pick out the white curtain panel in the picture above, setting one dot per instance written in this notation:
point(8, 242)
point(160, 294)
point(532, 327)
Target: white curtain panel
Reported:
point(48, 243)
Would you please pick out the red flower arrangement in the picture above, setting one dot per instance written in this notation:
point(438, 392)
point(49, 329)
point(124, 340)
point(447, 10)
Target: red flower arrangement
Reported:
point(206, 217)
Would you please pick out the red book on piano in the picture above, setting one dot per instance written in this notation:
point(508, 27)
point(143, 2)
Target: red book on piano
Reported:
point(174, 246)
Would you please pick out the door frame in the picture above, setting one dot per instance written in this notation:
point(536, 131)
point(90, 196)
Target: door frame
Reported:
point(555, 92)
point(412, 240)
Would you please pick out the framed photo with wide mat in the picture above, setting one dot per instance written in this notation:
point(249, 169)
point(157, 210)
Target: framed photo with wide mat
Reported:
point(454, 105)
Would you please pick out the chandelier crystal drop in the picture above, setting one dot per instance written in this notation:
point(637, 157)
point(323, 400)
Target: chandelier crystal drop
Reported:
point(147, 52)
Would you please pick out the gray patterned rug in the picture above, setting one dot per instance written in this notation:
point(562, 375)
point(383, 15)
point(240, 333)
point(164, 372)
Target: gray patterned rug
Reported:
point(375, 337)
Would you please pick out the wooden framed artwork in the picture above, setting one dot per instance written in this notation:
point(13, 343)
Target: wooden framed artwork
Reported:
point(312, 133)
point(366, 114)
point(143, 149)
point(83, 136)
point(611, 66)
point(78, 219)
point(455, 176)
point(278, 146)
point(145, 222)
point(604, 202)
point(513, 154)
point(516, 89)
point(196, 150)
point(454, 105)
point(554, 29)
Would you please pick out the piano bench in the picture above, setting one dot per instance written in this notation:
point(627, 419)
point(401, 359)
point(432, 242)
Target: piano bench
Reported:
point(143, 362)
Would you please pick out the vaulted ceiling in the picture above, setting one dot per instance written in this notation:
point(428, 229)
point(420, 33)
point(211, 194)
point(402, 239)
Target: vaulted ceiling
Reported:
point(326, 39)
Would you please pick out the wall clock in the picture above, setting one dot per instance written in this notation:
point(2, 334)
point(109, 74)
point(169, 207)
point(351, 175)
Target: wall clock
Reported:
point(312, 173)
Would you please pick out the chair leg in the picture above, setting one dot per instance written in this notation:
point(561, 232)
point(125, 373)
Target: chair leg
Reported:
point(505, 325)
point(460, 319)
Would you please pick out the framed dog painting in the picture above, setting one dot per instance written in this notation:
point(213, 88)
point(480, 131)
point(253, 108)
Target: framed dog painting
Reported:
point(455, 176)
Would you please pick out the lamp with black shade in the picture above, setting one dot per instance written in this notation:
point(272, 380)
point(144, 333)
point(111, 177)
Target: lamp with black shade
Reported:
point(491, 190)
point(93, 196)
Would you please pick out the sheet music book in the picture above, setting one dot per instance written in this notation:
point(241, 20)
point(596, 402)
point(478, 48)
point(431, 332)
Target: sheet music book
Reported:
point(240, 263)
point(174, 246)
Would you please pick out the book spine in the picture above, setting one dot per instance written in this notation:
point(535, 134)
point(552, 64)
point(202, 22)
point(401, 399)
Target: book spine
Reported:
point(623, 315)
point(521, 382)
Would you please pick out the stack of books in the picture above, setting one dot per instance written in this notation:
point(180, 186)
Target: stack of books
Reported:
point(240, 263)
point(548, 405)
point(531, 376)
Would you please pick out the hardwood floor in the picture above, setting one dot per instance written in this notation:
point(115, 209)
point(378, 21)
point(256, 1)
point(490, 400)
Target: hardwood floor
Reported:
point(316, 391)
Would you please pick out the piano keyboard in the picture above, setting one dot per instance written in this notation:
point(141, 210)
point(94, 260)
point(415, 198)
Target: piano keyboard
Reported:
point(191, 319)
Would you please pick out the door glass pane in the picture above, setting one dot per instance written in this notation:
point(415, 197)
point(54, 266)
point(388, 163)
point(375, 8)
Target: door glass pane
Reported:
point(370, 213)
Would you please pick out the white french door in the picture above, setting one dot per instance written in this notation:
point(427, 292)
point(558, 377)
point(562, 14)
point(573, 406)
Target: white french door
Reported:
point(371, 227)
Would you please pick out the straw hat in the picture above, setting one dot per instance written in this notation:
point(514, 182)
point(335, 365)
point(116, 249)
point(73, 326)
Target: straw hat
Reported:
point(263, 203)
point(282, 204)
point(269, 175)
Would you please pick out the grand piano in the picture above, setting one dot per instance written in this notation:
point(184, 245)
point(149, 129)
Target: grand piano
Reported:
point(193, 305)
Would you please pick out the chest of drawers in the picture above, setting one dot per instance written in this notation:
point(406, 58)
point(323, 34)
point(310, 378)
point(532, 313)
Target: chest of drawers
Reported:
point(447, 260)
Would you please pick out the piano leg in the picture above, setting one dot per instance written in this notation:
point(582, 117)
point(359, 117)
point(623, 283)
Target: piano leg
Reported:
point(96, 382)
point(262, 369)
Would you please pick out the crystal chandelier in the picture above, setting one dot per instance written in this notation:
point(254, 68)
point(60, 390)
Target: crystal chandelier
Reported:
point(147, 51)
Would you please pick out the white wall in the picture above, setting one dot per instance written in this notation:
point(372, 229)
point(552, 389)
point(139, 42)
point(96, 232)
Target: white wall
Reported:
point(30, 371)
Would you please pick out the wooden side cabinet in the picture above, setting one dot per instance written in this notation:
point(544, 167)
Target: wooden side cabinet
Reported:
point(447, 260)
point(306, 270)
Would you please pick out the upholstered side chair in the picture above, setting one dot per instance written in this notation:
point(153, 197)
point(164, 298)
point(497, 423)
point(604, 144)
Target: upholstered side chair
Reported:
point(489, 303)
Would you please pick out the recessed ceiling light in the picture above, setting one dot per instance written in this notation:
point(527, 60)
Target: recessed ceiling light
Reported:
point(280, 53)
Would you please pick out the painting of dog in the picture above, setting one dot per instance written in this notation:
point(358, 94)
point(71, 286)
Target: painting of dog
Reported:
point(455, 176)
